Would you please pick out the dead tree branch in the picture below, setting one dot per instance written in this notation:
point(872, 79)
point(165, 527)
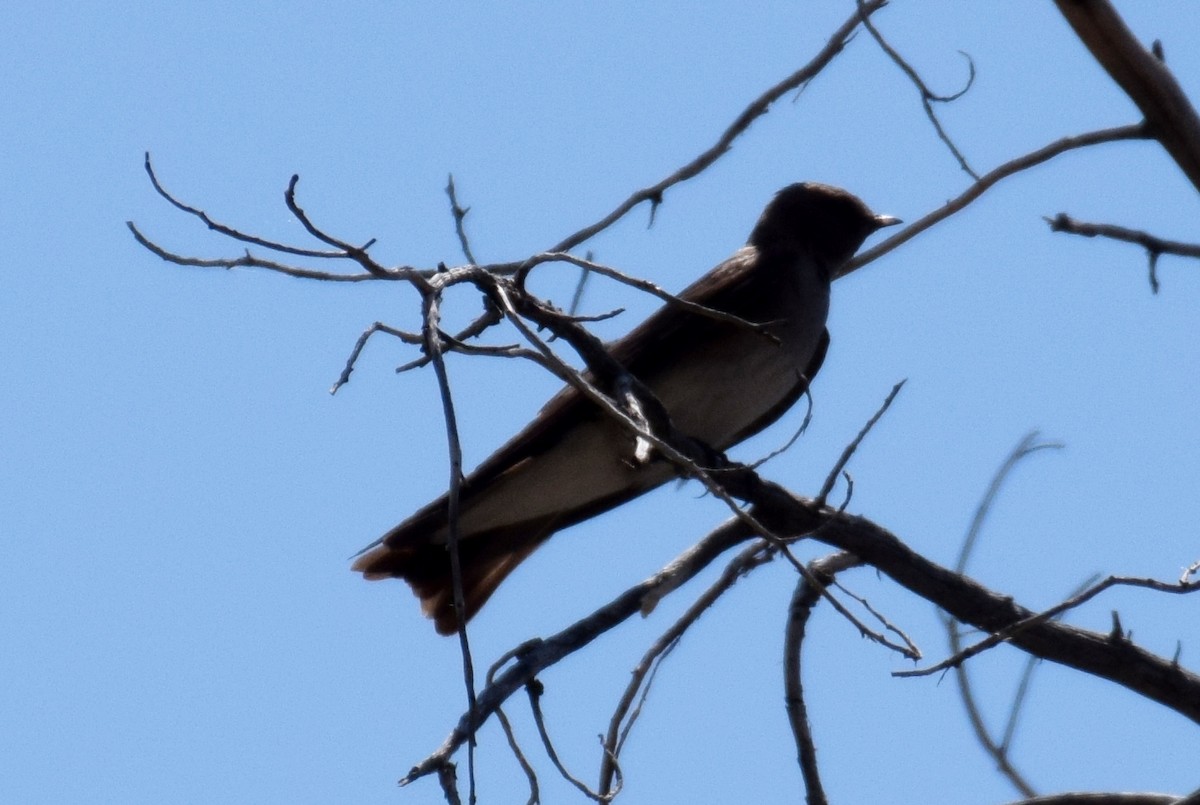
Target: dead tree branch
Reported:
point(1170, 116)
point(928, 97)
point(757, 108)
point(1154, 246)
point(988, 180)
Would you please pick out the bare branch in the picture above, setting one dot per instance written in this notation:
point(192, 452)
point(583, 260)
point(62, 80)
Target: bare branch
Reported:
point(377, 327)
point(1021, 163)
point(844, 459)
point(800, 431)
point(1154, 246)
point(999, 752)
point(228, 231)
point(913, 651)
point(535, 690)
point(758, 107)
point(538, 655)
point(1122, 662)
point(349, 251)
point(928, 98)
point(433, 348)
point(1012, 630)
point(618, 728)
point(1103, 798)
point(1143, 77)
point(245, 261)
point(1026, 447)
point(642, 285)
point(447, 776)
point(803, 600)
point(584, 275)
point(490, 317)
point(530, 774)
point(459, 213)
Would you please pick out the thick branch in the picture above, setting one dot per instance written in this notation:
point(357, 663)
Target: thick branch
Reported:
point(1117, 660)
point(1145, 79)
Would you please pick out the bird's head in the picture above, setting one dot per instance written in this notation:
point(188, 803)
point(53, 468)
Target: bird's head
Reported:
point(826, 221)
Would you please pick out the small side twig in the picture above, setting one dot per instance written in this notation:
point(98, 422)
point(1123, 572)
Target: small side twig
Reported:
point(585, 274)
point(460, 213)
point(356, 253)
point(1154, 246)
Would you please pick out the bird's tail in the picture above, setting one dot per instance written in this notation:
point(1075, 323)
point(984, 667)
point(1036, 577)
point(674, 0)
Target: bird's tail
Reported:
point(485, 561)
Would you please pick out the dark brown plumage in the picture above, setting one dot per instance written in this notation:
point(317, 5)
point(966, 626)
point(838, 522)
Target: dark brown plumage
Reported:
point(720, 382)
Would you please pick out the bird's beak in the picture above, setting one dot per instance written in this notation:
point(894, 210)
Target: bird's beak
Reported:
point(886, 220)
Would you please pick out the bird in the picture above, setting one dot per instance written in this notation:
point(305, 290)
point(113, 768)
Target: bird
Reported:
point(720, 381)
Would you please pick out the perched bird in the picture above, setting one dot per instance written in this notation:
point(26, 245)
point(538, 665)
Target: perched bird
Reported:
point(720, 381)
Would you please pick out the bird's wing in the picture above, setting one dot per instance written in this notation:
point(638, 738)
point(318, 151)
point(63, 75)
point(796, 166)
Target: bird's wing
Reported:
point(786, 402)
point(661, 334)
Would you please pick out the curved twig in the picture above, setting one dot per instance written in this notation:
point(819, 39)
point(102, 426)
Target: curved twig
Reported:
point(928, 97)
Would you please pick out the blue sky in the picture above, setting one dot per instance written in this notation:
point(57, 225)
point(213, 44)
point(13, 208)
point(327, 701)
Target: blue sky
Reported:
point(179, 493)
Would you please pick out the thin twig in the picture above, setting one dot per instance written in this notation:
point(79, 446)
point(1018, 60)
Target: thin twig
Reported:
point(800, 431)
point(585, 274)
point(459, 213)
point(883, 620)
point(433, 347)
point(247, 260)
point(618, 725)
point(377, 327)
point(356, 253)
point(530, 774)
point(844, 459)
point(535, 691)
point(928, 97)
point(647, 286)
point(229, 231)
point(1026, 447)
point(758, 107)
point(490, 317)
point(1137, 131)
point(998, 751)
point(1154, 246)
